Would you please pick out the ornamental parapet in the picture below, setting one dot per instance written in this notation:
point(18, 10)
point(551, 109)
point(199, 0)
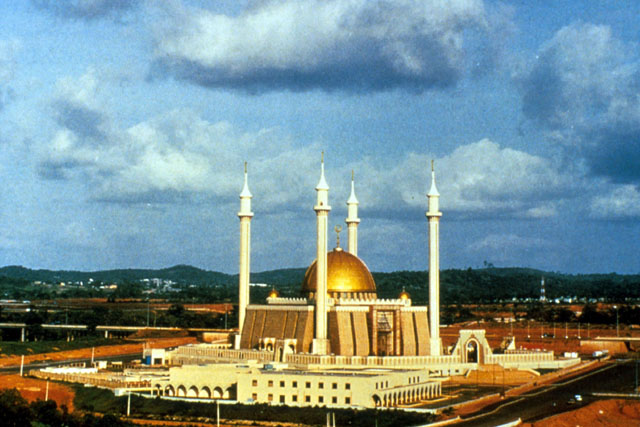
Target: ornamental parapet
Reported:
point(287, 301)
point(363, 301)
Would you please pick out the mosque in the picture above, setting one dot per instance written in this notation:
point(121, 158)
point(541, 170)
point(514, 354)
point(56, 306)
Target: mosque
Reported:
point(338, 344)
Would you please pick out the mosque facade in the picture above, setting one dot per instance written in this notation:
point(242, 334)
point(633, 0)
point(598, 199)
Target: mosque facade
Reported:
point(339, 312)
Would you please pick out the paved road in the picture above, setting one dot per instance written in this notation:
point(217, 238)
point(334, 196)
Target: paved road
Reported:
point(617, 377)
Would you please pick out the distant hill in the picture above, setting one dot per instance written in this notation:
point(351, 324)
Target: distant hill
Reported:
point(177, 273)
point(457, 286)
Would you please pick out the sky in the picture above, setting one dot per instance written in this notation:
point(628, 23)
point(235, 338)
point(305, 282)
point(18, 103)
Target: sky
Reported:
point(125, 124)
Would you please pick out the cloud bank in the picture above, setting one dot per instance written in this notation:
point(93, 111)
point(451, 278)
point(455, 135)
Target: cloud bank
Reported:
point(352, 45)
point(584, 89)
point(179, 155)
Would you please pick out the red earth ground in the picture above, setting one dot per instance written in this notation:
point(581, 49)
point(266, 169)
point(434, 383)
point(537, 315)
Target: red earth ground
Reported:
point(604, 413)
point(33, 389)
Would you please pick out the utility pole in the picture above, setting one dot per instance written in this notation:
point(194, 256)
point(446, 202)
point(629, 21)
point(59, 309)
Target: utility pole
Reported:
point(579, 331)
point(147, 312)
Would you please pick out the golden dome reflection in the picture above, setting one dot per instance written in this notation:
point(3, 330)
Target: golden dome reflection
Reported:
point(346, 273)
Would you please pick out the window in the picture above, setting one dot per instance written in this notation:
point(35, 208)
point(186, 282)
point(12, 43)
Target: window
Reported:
point(270, 397)
point(320, 399)
point(281, 398)
point(334, 399)
point(281, 383)
point(294, 398)
point(347, 400)
point(307, 384)
point(254, 396)
point(254, 383)
point(376, 386)
point(347, 386)
point(307, 399)
point(294, 384)
point(320, 385)
point(270, 383)
point(334, 386)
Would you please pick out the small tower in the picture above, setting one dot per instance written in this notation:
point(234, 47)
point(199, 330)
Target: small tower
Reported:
point(322, 208)
point(433, 214)
point(245, 216)
point(352, 220)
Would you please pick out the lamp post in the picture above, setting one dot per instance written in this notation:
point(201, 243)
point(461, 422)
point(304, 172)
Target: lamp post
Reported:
point(617, 321)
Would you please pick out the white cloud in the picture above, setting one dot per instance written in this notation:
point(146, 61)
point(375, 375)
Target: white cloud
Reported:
point(622, 201)
point(335, 44)
point(483, 177)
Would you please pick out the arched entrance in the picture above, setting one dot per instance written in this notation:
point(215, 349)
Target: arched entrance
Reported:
point(472, 351)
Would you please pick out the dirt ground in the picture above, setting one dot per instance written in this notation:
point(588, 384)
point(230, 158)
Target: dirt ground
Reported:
point(531, 337)
point(34, 389)
point(604, 413)
point(102, 351)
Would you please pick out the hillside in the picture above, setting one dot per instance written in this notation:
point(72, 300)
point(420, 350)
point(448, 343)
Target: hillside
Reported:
point(457, 286)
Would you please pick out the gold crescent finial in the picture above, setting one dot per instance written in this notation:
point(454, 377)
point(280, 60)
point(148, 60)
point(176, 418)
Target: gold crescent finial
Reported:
point(245, 167)
point(338, 229)
point(431, 165)
point(322, 156)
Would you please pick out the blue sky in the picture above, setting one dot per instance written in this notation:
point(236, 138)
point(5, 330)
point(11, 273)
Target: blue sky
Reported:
point(124, 126)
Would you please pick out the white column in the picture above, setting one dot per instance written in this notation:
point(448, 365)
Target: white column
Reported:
point(352, 220)
point(434, 215)
point(322, 208)
point(245, 216)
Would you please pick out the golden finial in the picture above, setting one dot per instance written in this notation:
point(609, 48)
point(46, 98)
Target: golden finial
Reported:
point(322, 156)
point(351, 174)
point(431, 165)
point(245, 167)
point(338, 229)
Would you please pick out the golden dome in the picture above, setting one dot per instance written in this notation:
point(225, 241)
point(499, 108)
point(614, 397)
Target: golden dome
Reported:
point(404, 295)
point(274, 293)
point(346, 273)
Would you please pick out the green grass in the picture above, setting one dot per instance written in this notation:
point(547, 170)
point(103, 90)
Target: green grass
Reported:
point(36, 347)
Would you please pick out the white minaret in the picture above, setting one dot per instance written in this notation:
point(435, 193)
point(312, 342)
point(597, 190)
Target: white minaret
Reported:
point(245, 216)
point(434, 267)
point(352, 220)
point(322, 208)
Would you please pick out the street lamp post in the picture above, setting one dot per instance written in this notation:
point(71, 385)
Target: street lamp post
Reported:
point(617, 321)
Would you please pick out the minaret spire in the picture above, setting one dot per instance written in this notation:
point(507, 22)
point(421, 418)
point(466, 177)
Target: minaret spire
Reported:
point(433, 214)
point(352, 220)
point(245, 216)
point(322, 208)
